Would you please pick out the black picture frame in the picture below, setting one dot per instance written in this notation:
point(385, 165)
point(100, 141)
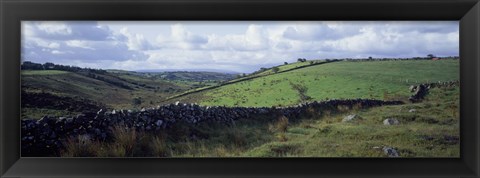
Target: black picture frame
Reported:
point(12, 12)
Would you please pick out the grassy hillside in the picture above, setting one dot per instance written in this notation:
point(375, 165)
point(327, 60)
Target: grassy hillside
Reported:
point(341, 80)
point(113, 91)
point(430, 131)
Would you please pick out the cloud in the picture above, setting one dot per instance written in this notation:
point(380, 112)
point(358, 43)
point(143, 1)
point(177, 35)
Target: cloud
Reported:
point(78, 44)
point(71, 30)
point(181, 34)
point(320, 31)
point(402, 41)
point(243, 47)
point(255, 38)
point(65, 42)
point(135, 41)
point(181, 38)
point(53, 28)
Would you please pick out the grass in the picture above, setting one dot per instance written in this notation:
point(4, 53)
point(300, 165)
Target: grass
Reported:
point(43, 72)
point(339, 80)
point(431, 131)
point(38, 113)
point(61, 83)
point(416, 136)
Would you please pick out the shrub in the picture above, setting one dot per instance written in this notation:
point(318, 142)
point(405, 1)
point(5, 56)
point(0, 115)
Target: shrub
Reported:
point(80, 147)
point(275, 69)
point(237, 137)
point(159, 147)
point(302, 92)
point(357, 106)
point(281, 125)
point(125, 138)
point(282, 137)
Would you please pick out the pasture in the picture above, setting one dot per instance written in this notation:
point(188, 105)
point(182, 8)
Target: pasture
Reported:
point(385, 80)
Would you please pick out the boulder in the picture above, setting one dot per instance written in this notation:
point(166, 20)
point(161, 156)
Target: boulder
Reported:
point(350, 118)
point(159, 123)
point(390, 152)
point(412, 88)
point(391, 121)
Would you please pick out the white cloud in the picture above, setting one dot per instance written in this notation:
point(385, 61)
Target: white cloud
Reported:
point(78, 44)
point(135, 41)
point(64, 42)
point(181, 38)
point(247, 47)
point(57, 52)
point(255, 38)
point(54, 28)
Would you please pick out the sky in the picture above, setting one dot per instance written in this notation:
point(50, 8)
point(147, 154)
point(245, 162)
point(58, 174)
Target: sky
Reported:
point(233, 46)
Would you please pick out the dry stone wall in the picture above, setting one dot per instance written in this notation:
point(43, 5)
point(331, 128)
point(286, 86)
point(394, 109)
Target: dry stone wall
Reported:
point(47, 135)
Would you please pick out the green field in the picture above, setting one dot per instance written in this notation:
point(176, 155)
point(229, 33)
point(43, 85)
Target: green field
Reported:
point(385, 80)
point(43, 72)
point(420, 134)
point(432, 130)
point(116, 89)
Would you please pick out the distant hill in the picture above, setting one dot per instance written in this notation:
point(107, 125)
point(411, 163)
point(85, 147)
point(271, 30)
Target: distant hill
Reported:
point(188, 70)
point(196, 76)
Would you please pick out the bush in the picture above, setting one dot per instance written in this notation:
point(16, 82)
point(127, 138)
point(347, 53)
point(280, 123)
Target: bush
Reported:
point(275, 69)
point(302, 92)
point(281, 125)
point(125, 138)
point(80, 146)
point(159, 147)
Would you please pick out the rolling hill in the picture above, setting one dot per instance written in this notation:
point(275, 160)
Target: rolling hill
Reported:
point(111, 89)
point(385, 80)
point(429, 128)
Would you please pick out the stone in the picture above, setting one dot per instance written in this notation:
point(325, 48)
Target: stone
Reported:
point(88, 127)
point(159, 123)
point(412, 110)
point(412, 88)
point(98, 131)
point(47, 120)
point(390, 152)
point(351, 118)
point(100, 112)
point(391, 121)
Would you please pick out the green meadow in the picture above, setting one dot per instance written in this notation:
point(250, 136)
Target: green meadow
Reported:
point(385, 80)
point(429, 128)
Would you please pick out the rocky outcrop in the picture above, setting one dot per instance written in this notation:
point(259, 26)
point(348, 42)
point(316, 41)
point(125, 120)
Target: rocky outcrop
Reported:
point(420, 91)
point(390, 152)
point(391, 121)
point(351, 118)
point(46, 136)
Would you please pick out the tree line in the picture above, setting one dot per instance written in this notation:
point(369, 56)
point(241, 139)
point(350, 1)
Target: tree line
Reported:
point(28, 65)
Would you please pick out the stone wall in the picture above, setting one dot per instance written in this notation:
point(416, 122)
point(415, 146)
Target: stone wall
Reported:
point(420, 91)
point(46, 136)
